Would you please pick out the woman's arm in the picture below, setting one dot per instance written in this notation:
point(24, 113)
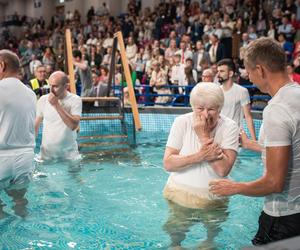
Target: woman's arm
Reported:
point(223, 166)
point(173, 161)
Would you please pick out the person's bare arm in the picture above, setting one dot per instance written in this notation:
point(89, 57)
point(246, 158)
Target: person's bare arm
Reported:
point(173, 161)
point(248, 143)
point(72, 121)
point(272, 181)
point(37, 124)
point(223, 165)
point(81, 65)
point(249, 121)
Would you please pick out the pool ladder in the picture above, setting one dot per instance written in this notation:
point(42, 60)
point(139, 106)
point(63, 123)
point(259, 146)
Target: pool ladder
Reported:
point(108, 109)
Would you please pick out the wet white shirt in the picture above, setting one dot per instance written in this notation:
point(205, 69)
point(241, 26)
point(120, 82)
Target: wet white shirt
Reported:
point(58, 140)
point(183, 138)
point(17, 115)
point(281, 127)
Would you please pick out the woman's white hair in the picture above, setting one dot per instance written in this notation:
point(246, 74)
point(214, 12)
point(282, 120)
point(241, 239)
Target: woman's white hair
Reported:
point(207, 92)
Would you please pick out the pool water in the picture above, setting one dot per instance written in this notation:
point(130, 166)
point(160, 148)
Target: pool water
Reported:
point(113, 200)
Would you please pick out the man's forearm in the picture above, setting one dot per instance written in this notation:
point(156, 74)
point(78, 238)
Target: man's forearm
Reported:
point(67, 118)
point(251, 128)
point(261, 187)
point(252, 145)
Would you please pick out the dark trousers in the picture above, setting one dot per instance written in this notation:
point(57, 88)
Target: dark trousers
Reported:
point(272, 228)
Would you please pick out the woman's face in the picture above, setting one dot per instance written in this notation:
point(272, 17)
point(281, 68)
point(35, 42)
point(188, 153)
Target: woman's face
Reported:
point(208, 111)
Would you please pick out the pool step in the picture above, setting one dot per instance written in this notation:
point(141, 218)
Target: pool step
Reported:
point(101, 144)
point(103, 137)
point(109, 117)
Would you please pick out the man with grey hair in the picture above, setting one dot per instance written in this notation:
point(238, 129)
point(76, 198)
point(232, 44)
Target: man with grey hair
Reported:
point(60, 110)
point(279, 141)
point(17, 114)
point(207, 75)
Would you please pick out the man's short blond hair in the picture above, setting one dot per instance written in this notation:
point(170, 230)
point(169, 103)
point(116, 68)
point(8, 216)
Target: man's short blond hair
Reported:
point(11, 60)
point(266, 52)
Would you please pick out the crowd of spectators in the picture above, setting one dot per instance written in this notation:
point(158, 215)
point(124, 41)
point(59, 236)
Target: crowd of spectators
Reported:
point(173, 43)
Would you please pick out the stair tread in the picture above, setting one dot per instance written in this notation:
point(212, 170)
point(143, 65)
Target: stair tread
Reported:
point(103, 136)
point(109, 117)
point(93, 144)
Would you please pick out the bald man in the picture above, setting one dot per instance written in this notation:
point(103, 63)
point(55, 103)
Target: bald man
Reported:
point(60, 112)
point(17, 115)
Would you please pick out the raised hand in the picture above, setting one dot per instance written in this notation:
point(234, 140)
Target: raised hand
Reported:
point(201, 127)
point(53, 100)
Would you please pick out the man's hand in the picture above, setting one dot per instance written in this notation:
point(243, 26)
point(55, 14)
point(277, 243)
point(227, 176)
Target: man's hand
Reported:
point(53, 100)
point(223, 187)
point(201, 127)
point(244, 139)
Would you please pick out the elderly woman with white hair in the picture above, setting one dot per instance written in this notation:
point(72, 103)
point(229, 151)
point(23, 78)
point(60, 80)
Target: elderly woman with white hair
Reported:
point(202, 146)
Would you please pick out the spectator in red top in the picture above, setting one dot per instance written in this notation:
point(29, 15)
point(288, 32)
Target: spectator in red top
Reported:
point(294, 76)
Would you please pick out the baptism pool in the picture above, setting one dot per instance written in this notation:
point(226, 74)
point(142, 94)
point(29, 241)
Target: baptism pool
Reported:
point(113, 200)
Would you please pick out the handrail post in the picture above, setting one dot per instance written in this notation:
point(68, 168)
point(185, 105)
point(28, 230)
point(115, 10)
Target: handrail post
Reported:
point(128, 78)
point(70, 61)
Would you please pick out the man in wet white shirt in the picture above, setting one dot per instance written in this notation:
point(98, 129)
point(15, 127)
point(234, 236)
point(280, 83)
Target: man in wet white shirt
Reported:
point(265, 62)
point(17, 115)
point(60, 112)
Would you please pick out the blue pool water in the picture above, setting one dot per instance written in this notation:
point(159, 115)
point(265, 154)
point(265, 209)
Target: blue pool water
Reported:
point(113, 200)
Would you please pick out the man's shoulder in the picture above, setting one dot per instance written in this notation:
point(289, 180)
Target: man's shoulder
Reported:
point(43, 98)
point(239, 88)
point(73, 97)
point(287, 95)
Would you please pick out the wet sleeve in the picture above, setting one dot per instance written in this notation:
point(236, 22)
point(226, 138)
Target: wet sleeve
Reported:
point(278, 126)
point(175, 139)
point(77, 107)
point(231, 137)
point(245, 98)
point(41, 106)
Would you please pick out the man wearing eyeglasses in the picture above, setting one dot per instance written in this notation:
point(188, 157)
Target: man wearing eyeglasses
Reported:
point(207, 76)
point(39, 84)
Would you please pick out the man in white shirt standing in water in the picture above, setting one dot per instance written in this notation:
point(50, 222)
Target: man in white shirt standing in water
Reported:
point(60, 112)
point(17, 115)
point(237, 100)
point(265, 62)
